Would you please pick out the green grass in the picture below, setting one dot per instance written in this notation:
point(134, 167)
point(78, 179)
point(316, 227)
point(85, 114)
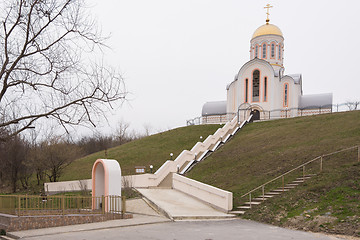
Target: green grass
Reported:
point(264, 150)
point(153, 150)
point(258, 153)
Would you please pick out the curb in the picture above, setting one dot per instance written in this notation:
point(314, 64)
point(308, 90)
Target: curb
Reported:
point(14, 236)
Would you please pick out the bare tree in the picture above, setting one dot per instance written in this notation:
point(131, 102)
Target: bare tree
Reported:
point(46, 72)
point(56, 154)
point(121, 132)
point(13, 157)
point(349, 105)
point(352, 105)
point(34, 160)
point(147, 129)
point(356, 104)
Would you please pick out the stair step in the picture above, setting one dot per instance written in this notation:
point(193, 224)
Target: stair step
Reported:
point(292, 184)
point(302, 179)
point(259, 199)
point(244, 207)
point(273, 193)
point(266, 196)
point(281, 190)
point(237, 212)
point(253, 203)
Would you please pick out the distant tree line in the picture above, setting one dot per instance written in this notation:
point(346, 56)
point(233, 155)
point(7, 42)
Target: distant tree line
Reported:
point(23, 160)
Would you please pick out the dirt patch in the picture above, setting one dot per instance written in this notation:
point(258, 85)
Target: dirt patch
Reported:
point(328, 224)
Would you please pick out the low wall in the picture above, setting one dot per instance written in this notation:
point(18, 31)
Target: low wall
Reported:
point(14, 223)
point(220, 199)
point(67, 186)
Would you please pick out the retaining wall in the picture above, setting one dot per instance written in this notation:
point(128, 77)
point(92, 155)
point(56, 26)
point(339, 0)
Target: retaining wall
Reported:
point(216, 197)
point(15, 223)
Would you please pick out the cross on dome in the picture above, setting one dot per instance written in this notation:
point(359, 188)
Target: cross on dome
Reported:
point(268, 6)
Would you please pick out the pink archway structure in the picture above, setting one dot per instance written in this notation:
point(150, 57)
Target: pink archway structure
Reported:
point(106, 182)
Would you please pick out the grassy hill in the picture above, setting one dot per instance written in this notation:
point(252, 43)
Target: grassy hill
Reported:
point(259, 152)
point(263, 150)
point(154, 150)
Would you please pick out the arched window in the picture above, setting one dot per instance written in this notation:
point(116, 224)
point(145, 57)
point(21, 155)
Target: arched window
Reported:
point(246, 89)
point(256, 51)
point(279, 51)
point(256, 86)
point(265, 89)
point(272, 50)
point(264, 50)
point(286, 95)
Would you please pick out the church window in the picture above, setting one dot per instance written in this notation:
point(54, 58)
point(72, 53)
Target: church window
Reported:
point(256, 86)
point(279, 51)
point(256, 51)
point(265, 89)
point(246, 89)
point(264, 50)
point(272, 50)
point(286, 95)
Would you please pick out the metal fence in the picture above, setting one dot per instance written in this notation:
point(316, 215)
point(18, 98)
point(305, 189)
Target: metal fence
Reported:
point(26, 205)
point(245, 110)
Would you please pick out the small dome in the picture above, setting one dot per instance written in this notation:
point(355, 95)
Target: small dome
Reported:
point(267, 29)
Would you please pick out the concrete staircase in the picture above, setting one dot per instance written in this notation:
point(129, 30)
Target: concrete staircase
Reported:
point(273, 193)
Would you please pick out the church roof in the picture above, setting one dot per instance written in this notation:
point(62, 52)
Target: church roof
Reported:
point(312, 101)
point(267, 29)
point(214, 108)
point(296, 77)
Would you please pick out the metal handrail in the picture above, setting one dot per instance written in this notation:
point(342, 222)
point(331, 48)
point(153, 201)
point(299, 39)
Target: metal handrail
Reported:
point(302, 165)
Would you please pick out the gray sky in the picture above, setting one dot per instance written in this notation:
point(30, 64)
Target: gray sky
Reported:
point(176, 55)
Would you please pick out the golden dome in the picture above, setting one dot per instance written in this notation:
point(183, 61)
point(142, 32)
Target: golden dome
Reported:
point(267, 29)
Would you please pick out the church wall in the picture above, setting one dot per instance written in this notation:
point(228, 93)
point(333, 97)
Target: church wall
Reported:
point(231, 98)
point(277, 98)
point(247, 73)
point(294, 92)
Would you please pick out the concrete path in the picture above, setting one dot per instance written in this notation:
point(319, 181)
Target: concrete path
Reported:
point(237, 229)
point(55, 231)
point(140, 206)
point(178, 205)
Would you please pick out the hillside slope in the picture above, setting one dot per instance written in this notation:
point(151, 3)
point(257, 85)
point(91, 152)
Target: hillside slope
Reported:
point(264, 150)
point(154, 150)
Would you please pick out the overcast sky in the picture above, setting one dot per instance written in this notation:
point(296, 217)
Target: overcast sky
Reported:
point(175, 55)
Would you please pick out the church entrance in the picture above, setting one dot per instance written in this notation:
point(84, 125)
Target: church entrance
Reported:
point(256, 115)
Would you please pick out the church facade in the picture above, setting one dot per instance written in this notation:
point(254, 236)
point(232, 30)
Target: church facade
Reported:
point(262, 88)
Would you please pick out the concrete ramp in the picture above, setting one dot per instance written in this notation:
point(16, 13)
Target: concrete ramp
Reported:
point(178, 205)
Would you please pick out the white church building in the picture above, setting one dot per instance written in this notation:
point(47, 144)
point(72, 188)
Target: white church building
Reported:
point(261, 86)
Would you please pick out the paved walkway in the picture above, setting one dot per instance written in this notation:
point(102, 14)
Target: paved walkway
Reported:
point(55, 231)
point(237, 229)
point(181, 206)
point(140, 206)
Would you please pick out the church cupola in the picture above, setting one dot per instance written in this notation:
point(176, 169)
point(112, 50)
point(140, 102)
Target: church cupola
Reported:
point(267, 43)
